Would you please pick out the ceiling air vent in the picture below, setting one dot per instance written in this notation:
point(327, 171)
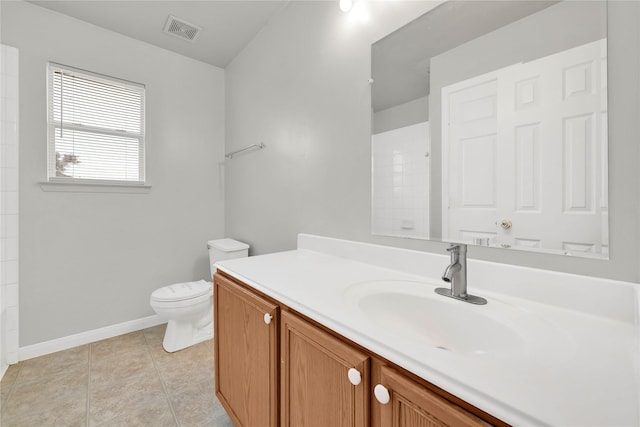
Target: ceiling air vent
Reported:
point(180, 28)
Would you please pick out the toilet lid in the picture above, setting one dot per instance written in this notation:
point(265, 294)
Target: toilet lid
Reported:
point(181, 291)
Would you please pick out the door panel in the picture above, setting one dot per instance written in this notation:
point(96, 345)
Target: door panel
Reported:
point(546, 165)
point(411, 405)
point(316, 390)
point(469, 192)
point(246, 358)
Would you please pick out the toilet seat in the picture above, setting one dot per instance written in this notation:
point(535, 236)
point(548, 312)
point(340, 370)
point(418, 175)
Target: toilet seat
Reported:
point(182, 303)
point(182, 292)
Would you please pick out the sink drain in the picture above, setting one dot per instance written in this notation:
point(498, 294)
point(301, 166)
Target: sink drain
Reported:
point(443, 348)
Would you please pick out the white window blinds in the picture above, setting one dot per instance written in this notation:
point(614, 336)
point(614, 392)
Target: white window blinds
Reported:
point(96, 127)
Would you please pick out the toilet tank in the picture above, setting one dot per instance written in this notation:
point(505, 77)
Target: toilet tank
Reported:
point(222, 249)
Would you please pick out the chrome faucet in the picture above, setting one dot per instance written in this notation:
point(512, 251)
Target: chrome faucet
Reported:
point(456, 274)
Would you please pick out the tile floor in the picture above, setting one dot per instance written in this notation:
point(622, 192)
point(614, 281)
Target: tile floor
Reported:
point(127, 380)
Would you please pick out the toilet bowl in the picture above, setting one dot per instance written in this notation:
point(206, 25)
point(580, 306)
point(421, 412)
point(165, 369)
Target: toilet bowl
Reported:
point(188, 307)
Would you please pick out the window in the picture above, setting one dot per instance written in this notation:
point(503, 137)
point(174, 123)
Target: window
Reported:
point(96, 128)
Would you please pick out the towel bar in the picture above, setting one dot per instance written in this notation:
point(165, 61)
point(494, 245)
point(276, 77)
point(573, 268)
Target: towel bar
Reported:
point(251, 147)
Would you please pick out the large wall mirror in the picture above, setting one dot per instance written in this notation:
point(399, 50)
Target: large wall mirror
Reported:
point(490, 127)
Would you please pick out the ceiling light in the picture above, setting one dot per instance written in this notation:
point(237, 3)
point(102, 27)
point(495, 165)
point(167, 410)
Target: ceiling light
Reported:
point(345, 5)
point(359, 12)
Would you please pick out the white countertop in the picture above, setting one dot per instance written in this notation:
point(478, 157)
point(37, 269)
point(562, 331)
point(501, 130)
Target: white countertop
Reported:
point(584, 372)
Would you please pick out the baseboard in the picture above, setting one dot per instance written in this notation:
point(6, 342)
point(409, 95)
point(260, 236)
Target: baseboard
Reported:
point(64, 343)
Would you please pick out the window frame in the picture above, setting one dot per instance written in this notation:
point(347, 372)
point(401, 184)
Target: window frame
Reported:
point(53, 125)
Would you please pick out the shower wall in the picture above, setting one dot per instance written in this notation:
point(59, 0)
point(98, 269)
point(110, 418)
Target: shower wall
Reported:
point(8, 206)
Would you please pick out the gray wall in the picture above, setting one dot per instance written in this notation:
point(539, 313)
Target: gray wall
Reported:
point(301, 86)
point(89, 260)
point(407, 114)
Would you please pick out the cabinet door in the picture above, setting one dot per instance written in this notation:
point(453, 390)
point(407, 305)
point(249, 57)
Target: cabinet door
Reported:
point(319, 374)
point(411, 405)
point(246, 354)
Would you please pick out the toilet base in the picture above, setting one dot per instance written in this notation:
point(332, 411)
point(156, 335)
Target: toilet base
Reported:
point(180, 335)
point(190, 320)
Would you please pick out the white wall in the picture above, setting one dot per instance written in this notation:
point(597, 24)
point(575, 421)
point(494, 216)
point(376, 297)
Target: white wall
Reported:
point(301, 86)
point(8, 207)
point(400, 182)
point(90, 260)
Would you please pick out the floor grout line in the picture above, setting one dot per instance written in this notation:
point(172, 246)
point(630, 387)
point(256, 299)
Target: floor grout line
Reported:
point(164, 386)
point(89, 388)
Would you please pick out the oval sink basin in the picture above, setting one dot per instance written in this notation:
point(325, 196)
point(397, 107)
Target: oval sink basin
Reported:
point(412, 310)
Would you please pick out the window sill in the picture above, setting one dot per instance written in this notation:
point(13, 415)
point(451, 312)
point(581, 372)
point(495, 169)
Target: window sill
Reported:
point(77, 187)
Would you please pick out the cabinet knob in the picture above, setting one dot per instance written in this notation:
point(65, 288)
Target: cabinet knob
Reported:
point(382, 394)
point(267, 318)
point(354, 376)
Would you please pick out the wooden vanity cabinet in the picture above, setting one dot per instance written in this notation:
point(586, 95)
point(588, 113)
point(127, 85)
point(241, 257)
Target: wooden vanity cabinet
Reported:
point(274, 367)
point(246, 354)
point(412, 405)
point(324, 381)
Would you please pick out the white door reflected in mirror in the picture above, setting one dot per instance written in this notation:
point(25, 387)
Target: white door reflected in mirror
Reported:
point(517, 127)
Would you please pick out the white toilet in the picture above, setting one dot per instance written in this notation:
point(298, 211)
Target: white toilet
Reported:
point(188, 307)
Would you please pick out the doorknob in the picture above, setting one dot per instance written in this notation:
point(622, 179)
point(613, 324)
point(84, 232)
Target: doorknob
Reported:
point(506, 224)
